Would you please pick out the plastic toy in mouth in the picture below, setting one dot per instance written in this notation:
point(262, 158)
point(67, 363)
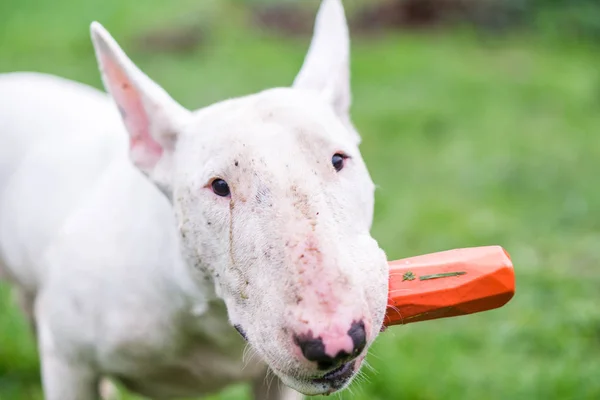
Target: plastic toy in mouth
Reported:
point(449, 284)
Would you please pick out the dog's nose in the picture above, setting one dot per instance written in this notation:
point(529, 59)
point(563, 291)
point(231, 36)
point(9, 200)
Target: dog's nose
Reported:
point(329, 353)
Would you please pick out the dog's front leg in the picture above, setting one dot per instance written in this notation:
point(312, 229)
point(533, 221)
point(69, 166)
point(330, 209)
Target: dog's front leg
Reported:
point(269, 387)
point(62, 377)
point(63, 380)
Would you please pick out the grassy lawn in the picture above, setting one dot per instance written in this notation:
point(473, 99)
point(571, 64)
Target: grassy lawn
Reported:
point(472, 141)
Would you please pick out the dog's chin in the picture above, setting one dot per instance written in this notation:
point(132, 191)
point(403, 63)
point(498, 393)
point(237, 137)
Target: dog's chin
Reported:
point(331, 382)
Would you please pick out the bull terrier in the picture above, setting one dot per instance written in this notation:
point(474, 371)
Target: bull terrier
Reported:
point(152, 245)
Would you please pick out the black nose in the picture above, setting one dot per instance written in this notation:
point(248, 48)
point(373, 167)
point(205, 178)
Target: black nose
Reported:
point(359, 336)
point(313, 348)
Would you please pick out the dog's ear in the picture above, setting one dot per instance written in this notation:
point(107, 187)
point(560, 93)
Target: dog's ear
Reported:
point(152, 118)
point(326, 68)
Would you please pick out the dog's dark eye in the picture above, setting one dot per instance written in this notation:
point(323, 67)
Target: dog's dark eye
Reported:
point(338, 160)
point(220, 187)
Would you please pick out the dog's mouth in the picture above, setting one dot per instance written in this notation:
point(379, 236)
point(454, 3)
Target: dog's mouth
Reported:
point(338, 378)
point(329, 383)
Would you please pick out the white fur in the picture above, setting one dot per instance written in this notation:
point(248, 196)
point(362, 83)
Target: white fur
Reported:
point(142, 282)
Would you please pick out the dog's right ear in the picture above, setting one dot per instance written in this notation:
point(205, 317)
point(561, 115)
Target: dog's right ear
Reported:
point(152, 118)
point(326, 68)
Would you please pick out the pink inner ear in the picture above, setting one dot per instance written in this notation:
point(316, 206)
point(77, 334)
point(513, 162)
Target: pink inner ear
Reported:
point(144, 149)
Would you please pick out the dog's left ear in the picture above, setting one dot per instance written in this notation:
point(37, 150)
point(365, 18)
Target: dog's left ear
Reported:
point(326, 67)
point(152, 118)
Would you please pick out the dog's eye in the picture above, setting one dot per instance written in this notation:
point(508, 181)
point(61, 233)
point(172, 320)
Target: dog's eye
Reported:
point(338, 160)
point(220, 188)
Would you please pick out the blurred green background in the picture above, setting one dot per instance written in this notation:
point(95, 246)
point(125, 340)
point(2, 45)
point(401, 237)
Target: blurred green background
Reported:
point(480, 123)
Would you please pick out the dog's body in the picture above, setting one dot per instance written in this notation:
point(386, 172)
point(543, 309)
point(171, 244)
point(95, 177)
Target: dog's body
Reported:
point(118, 284)
point(94, 245)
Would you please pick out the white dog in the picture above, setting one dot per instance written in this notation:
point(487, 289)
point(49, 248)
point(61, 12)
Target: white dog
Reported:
point(139, 241)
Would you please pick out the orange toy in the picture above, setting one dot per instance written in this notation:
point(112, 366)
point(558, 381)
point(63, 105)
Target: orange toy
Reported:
point(448, 284)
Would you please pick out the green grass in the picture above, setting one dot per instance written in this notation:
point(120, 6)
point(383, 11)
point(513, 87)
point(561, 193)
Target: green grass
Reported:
point(472, 142)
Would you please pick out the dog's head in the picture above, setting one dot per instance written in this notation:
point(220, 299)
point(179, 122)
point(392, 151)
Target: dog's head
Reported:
point(275, 202)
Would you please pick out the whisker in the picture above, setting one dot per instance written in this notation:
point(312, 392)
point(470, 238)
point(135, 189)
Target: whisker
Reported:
point(273, 376)
point(245, 352)
point(267, 382)
point(397, 311)
point(349, 389)
point(370, 367)
point(374, 355)
point(364, 377)
point(248, 355)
